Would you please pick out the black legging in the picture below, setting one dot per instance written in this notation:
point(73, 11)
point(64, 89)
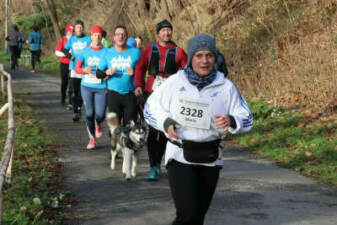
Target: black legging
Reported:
point(123, 105)
point(76, 95)
point(35, 57)
point(64, 68)
point(192, 188)
point(14, 56)
point(156, 143)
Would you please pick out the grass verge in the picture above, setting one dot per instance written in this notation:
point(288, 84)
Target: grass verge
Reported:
point(302, 143)
point(35, 195)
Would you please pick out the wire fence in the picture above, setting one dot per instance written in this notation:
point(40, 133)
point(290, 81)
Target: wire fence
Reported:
point(8, 153)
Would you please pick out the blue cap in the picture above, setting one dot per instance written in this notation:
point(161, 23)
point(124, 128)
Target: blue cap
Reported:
point(131, 43)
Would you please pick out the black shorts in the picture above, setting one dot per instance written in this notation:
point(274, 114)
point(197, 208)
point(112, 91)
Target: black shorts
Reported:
point(124, 106)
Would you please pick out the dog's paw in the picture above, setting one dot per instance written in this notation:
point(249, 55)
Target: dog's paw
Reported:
point(112, 166)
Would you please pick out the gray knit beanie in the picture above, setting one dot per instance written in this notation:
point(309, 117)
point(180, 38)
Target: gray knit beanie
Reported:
point(199, 43)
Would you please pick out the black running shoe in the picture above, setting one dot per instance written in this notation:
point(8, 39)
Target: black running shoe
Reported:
point(76, 117)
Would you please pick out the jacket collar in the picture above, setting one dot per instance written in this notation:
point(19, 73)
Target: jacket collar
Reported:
point(219, 80)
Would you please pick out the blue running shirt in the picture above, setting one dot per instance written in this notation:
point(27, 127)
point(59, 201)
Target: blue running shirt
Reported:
point(76, 45)
point(92, 58)
point(35, 41)
point(120, 81)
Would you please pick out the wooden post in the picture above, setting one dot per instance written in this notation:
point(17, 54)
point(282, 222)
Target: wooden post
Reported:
point(7, 155)
point(4, 108)
point(9, 169)
point(3, 87)
point(2, 81)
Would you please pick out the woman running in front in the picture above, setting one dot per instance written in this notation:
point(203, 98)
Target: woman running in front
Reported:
point(93, 89)
point(195, 108)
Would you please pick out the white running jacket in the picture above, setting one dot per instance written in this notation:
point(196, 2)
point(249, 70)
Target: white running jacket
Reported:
point(224, 99)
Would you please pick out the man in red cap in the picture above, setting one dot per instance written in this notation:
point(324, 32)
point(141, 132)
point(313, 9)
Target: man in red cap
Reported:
point(161, 60)
point(64, 66)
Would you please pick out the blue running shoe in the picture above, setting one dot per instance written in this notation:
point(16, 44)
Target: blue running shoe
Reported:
point(158, 170)
point(152, 174)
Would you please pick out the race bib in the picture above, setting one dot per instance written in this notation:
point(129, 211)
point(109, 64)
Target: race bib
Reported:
point(91, 79)
point(157, 82)
point(194, 113)
point(73, 74)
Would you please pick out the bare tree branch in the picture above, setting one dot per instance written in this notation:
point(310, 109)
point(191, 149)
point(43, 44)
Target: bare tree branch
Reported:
point(53, 17)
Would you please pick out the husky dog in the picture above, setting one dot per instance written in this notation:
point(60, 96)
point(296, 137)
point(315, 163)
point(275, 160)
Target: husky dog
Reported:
point(129, 140)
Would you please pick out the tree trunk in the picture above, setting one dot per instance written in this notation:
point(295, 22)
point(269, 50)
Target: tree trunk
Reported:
point(53, 17)
point(53, 6)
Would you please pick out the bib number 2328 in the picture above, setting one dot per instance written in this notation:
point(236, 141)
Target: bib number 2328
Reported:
point(193, 112)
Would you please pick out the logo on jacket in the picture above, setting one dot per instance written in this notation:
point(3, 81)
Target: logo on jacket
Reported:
point(214, 94)
point(182, 89)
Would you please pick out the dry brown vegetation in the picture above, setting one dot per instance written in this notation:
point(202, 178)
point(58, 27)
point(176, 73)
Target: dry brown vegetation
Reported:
point(282, 51)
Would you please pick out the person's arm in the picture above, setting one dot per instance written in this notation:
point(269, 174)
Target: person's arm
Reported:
point(59, 49)
point(157, 106)
point(67, 48)
point(78, 67)
point(41, 39)
point(239, 112)
point(182, 58)
point(131, 70)
point(142, 67)
point(30, 39)
point(59, 54)
point(102, 66)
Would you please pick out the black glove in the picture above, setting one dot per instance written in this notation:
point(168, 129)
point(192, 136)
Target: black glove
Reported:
point(100, 74)
point(67, 53)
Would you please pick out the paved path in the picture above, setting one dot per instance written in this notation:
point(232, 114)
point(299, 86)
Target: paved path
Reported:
point(251, 190)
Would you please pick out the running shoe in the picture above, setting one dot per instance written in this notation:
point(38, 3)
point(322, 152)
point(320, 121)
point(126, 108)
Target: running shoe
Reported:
point(69, 107)
point(91, 144)
point(76, 117)
point(99, 130)
point(157, 169)
point(152, 174)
